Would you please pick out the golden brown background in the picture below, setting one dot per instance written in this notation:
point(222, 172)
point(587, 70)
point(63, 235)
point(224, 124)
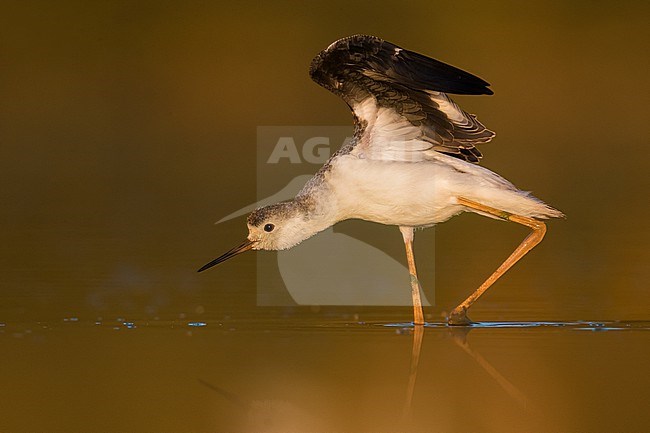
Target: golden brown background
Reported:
point(127, 128)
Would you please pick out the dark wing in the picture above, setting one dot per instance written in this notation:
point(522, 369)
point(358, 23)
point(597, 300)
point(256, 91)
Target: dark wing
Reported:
point(400, 96)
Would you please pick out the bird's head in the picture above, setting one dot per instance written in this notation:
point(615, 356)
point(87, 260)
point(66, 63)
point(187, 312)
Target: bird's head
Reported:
point(278, 226)
point(275, 227)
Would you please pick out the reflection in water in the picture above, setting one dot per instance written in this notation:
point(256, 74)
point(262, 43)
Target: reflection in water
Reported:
point(418, 334)
point(306, 376)
point(459, 336)
point(269, 416)
point(276, 415)
point(281, 416)
point(233, 398)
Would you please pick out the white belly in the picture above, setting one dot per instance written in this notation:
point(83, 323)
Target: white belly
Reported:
point(422, 193)
point(395, 193)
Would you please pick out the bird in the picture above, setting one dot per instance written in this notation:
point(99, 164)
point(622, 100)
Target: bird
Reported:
point(413, 161)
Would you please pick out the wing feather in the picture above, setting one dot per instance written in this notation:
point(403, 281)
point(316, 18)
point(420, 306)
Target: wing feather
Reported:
point(398, 96)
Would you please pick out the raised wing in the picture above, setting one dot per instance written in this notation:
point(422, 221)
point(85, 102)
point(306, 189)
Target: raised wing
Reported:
point(399, 99)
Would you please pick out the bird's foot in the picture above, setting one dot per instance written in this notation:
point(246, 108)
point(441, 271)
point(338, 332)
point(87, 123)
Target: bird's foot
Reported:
point(458, 317)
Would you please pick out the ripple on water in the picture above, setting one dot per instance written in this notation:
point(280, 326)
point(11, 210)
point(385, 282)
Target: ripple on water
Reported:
point(570, 325)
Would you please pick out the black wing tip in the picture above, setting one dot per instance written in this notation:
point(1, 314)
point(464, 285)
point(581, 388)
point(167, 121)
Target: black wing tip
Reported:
point(471, 89)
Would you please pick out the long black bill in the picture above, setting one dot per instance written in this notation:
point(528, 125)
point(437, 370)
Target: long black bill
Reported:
point(247, 245)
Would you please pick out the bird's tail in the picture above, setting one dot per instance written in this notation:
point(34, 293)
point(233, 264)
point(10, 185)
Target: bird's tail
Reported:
point(517, 202)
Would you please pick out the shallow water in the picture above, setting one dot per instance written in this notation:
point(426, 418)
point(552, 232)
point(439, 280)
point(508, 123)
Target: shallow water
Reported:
point(332, 376)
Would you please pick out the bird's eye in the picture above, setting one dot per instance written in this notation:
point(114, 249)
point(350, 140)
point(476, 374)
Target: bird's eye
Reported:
point(269, 227)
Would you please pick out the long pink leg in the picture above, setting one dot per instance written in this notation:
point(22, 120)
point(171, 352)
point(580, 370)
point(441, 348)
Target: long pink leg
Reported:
point(459, 314)
point(418, 316)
